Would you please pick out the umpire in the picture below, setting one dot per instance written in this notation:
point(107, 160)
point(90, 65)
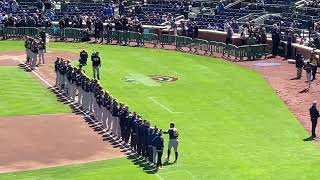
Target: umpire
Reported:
point(314, 114)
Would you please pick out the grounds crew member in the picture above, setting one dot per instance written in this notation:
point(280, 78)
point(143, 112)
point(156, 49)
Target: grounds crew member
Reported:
point(83, 58)
point(158, 142)
point(42, 48)
point(96, 64)
point(314, 114)
point(173, 141)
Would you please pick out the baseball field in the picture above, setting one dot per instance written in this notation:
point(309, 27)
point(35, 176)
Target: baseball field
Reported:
point(232, 124)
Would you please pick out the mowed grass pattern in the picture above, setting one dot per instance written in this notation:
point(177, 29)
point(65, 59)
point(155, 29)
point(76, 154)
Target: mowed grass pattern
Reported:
point(232, 125)
point(21, 94)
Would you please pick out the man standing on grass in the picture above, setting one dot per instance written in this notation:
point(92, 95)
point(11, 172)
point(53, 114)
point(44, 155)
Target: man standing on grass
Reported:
point(83, 58)
point(96, 64)
point(158, 141)
point(173, 141)
point(314, 114)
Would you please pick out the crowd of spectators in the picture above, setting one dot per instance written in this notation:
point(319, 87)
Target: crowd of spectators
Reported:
point(312, 3)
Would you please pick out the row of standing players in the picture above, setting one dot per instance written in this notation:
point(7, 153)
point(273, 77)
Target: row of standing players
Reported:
point(35, 49)
point(127, 127)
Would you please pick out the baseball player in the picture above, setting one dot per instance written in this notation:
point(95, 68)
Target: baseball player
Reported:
point(56, 69)
point(123, 115)
point(83, 58)
point(87, 96)
point(42, 47)
point(34, 54)
point(27, 45)
point(96, 64)
point(173, 141)
point(133, 123)
point(159, 144)
point(154, 148)
point(104, 109)
point(115, 119)
point(109, 114)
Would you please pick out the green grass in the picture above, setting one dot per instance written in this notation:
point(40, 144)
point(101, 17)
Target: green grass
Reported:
point(232, 125)
point(21, 94)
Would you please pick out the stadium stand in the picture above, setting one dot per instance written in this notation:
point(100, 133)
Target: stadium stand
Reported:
point(249, 18)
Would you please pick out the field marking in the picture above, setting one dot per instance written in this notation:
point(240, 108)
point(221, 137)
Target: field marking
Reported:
point(157, 102)
point(159, 176)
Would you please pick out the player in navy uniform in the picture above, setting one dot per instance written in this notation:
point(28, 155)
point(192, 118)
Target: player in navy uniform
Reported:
point(42, 47)
point(57, 65)
point(34, 54)
point(27, 45)
point(83, 58)
point(96, 64)
point(123, 115)
point(173, 141)
point(159, 144)
point(133, 123)
point(115, 119)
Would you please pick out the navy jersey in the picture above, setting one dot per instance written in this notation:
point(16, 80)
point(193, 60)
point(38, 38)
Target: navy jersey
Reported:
point(115, 111)
point(56, 65)
point(173, 133)
point(158, 142)
point(95, 60)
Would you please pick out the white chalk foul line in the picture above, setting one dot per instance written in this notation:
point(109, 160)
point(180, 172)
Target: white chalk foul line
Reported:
point(157, 102)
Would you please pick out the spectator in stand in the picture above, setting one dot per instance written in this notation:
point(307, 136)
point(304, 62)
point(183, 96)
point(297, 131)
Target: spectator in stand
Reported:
point(221, 7)
point(14, 6)
point(289, 44)
point(189, 30)
point(89, 23)
point(275, 40)
point(229, 35)
point(40, 5)
point(183, 29)
point(195, 30)
point(243, 37)
point(122, 9)
point(264, 39)
point(1, 18)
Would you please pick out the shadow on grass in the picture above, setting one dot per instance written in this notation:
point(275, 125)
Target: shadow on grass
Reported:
point(309, 139)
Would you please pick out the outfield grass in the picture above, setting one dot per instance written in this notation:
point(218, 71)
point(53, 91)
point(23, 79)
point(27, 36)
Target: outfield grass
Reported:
point(232, 125)
point(21, 94)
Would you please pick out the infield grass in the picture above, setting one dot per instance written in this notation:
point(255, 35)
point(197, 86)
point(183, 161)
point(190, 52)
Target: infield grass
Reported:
point(232, 125)
point(22, 94)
